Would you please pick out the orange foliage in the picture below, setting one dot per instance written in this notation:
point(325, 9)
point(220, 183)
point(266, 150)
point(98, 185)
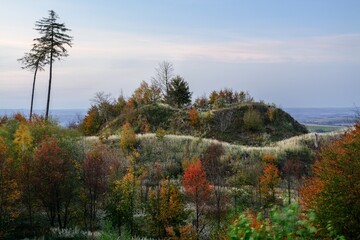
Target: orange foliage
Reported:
point(91, 123)
point(269, 179)
point(184, 233)
point(268, 159)
point(194, 117)
point(334, 190)
point(197, 187)
point(19, 117)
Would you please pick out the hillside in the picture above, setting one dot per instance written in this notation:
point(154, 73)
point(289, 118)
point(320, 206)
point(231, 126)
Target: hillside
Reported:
point(254, 124)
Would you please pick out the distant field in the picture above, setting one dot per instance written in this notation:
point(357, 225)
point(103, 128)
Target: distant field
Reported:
point(322, 128)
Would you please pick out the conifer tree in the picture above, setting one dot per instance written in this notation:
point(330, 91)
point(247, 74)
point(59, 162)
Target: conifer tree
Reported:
point(53, 42)
point(34, 60)
point(179, 94)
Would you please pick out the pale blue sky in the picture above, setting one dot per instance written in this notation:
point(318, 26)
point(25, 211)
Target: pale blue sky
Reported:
point(293, 53)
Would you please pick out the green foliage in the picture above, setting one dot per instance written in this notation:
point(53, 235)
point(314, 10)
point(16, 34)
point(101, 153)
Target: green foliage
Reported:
point(179, 94)
point(110, 233)
point(127, 138)
point(160, 134)
point(52, 43)
point(252, 120)
point(281, 223)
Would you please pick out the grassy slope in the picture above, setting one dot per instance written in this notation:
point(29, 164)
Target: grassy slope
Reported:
point(224, 124)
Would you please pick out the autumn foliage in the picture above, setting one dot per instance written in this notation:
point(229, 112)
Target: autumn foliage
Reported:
point(193, 116)
point(127, 138)
point(9, 192)
point(269, 180)
point(166, 209)
point(53, 181)
point(197, 189)
point(334, 190)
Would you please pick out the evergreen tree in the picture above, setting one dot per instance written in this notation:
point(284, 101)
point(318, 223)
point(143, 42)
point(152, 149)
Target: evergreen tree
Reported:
point(52, 42)
point(34, 60)
point(179, 94)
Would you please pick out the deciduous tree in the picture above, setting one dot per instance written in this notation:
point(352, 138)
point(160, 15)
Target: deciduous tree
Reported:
point(146, 94)
point(269, 180)
point(334, 190)
point(96, 170)
point(216, 171)
point(127, 138)
point(54, 181)
point(166, 208)
point(164, 73)
point(194, 117)
point(9, 192)
point(197, 189)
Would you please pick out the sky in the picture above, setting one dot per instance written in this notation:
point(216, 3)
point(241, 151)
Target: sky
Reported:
point(292, 53)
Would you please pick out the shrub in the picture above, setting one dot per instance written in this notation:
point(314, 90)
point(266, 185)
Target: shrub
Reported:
point(252, 120)
point(281, 223)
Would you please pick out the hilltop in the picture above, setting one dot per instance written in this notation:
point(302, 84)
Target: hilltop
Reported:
point(247, 124)
point(168, 108)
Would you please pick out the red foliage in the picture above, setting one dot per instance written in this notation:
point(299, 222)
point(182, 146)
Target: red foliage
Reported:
point(96, 169)
point(52, 178)
point(197, 188)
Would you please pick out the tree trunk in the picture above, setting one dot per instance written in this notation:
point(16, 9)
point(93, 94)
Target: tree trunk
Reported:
point(50, 78)
point(33, 91)
point(289, 189)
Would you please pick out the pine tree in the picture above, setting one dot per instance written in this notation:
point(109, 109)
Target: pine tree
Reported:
point(52, 42)
point(179, 94)
point(34, 60)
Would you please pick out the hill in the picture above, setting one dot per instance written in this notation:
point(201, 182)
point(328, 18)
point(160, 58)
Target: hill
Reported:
point(255, 124)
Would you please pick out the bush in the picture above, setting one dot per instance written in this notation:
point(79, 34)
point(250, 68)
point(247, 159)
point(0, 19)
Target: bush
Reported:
point(252, 120)
point(282, 223)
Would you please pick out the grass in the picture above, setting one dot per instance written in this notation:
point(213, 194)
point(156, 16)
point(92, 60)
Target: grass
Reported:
point(180, 146)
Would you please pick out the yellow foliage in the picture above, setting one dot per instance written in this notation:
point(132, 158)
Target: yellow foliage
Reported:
point(127, 138)
point(23, 139)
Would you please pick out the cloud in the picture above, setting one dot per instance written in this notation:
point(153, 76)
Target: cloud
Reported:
point(341, 48)
point(106, 45)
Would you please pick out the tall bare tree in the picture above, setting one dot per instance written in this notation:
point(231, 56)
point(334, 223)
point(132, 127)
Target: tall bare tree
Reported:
point(164, 73)
point(53, 42)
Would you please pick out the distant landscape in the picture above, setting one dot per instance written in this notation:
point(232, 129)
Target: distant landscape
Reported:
point(333, 118)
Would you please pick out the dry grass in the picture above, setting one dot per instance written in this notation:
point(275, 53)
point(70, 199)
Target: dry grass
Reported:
point(196, 145)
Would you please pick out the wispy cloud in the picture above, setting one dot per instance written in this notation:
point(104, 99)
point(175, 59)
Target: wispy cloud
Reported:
point(339, 48)
point(116, 45)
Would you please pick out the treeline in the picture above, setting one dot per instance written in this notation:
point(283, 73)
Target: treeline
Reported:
point(51, 178)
